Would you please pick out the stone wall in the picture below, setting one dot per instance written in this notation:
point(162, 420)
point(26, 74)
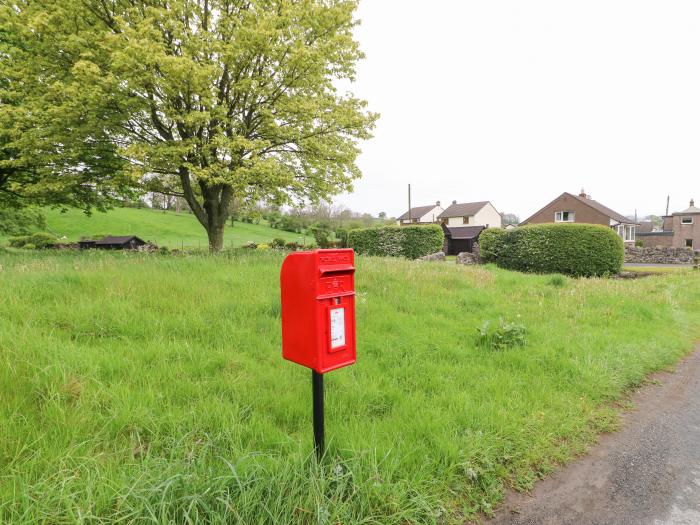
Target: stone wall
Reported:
point(658, 255)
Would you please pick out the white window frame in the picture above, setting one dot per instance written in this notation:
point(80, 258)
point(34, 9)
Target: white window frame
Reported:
point(559, 216)
point(684, 219)
point(627, 232)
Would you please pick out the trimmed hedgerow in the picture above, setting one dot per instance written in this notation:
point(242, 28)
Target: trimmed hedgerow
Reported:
point(581, 250)
point(397, 241)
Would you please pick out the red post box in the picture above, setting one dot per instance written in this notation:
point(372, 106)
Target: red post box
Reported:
point(318, 309)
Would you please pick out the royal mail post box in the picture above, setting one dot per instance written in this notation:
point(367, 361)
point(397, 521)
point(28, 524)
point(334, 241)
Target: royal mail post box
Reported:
point(318, 309)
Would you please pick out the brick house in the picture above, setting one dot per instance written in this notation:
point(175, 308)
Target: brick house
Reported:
point(681, 230)
point(581, 208)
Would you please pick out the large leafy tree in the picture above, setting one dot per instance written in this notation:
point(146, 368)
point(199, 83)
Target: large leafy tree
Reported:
point(52, 150)
point(210, 100)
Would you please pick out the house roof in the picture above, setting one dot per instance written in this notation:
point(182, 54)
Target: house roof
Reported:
point(464, 232)
point(417, 212)
point(692, 209)
point(593, 204)
point(118, 240)
point(464, 209)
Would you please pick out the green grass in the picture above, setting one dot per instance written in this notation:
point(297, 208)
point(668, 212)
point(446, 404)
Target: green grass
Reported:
point(174, 230)
point(150, 389)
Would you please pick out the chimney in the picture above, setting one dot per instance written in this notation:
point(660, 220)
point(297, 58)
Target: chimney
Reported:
point(583, 194)
point(454, 202)
point(692, 203)
point(437, 203)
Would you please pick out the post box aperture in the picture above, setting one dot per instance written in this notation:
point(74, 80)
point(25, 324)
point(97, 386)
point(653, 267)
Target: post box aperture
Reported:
point(318, 309)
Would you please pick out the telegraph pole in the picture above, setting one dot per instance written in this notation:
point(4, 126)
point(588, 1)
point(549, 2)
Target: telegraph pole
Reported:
point(409, 205)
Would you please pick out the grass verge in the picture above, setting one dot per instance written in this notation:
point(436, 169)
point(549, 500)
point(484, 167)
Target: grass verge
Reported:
point(137, 388)
point(165, 228)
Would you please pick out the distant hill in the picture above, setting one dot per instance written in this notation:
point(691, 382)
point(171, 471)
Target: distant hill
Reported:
point(164, 228)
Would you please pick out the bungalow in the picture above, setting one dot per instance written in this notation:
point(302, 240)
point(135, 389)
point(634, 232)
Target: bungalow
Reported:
point(421, 215)
point(581, 208)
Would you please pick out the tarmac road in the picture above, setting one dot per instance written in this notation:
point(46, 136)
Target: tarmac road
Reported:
point(648, 473)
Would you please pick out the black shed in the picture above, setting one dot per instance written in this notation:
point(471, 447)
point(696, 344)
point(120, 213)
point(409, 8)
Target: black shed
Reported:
point(130, 242)
point(460, 239)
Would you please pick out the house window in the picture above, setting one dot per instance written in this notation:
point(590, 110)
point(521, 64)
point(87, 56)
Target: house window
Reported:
point(465, 220)
point(414, 220)
point(626, 231)
point(689, 243)
point(564, 216)
point(687, 220)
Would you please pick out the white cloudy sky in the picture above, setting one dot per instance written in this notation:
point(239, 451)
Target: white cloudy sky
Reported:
point(517, 101)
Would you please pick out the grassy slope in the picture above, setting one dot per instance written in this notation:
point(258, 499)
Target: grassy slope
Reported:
point(146, 388)
point(166, 229)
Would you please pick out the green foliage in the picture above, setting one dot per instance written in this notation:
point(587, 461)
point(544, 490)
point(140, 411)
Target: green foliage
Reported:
point(580, 250)
point(36, 240)
point(322, 234)
point(502, 336)
point(277, 243)
point(558, 281)
point(490, 244)
point(169, 405)
point(397, 241)
point(213, 100)
point(20, 221)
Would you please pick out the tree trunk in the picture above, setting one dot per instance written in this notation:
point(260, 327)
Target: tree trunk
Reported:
point(216, 237)
point(213, 212)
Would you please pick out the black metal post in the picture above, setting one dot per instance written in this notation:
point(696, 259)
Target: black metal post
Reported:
point(319, 430)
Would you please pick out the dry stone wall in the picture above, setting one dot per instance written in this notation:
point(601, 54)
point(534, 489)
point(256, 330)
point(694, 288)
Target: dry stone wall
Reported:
point(658, 255)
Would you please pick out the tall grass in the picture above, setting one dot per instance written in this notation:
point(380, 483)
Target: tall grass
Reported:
point(149, 389)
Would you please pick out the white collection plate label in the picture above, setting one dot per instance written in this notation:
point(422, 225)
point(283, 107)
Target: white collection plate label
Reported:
point(337, 327)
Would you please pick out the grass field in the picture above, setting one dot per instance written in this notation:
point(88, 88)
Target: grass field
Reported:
point(150, 389)
point(174, 230)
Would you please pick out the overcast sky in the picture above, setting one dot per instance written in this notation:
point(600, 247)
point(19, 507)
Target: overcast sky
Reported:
point(516, 102)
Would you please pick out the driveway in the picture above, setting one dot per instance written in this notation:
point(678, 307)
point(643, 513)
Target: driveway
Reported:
point(647, 473)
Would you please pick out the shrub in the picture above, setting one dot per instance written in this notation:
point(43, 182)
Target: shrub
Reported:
point(262, 247)
point(639, 243)
point(501, 337)
point(342, 235)
point(38, 240)
point(322, 234)
point(397, 241)
point(293, 246)
point(277, 244)
point(580, 250)
point(42, 240)
point(29, 246)
point(489, 244)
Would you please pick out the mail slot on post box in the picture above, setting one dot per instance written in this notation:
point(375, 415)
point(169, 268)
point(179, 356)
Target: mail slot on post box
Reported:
point(318, 309)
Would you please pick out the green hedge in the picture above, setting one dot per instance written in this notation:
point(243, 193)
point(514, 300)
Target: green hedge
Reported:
point(397, 241)
point(581, 250)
